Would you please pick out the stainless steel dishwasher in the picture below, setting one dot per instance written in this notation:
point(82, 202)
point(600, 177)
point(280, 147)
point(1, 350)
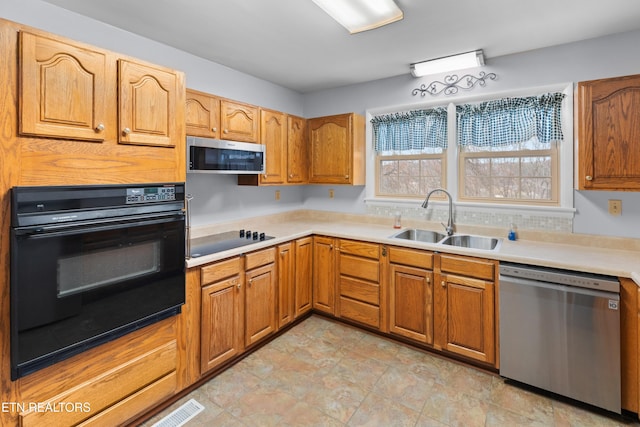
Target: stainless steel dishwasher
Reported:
point(560, 331)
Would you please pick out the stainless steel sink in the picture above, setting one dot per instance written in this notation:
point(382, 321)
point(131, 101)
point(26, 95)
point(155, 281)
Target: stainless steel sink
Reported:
point(472, 242)
point(426, 236)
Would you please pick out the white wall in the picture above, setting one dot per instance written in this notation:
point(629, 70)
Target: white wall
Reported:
point(218, 198)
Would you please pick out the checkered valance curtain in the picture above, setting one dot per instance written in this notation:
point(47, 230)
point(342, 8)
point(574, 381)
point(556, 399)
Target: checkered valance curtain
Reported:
point(510, 121)
point(411, 131)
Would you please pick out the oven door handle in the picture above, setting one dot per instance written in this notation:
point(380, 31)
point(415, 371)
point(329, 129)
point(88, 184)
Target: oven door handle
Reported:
point(67, 229)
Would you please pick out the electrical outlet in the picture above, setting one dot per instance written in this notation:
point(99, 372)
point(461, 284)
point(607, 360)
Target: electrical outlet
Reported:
point(331, 194)
point(615, 207)
point(277, 194)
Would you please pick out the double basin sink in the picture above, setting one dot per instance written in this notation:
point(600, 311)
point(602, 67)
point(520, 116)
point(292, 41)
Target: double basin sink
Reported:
point(457, 240)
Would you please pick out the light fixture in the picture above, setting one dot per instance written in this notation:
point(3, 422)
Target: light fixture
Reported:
point(361, 15)
point(448, 63)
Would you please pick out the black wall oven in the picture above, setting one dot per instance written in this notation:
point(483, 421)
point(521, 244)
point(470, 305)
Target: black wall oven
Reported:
point(90, 264)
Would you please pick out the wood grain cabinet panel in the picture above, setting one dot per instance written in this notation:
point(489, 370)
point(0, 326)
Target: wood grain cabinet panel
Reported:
point(202, 114)
point(222, 322)
point(147, 104)
point(273, 134)
point(608, 134)
point(324, 277)
point(239, 122)
point(297, 157)
point(336, 149)
point(411, 303)
point(286, 283)
point(303, 276)
point(63, 88)
point(260, 303)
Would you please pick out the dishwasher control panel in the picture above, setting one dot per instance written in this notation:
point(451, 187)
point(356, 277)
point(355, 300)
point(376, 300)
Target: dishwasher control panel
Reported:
point(561, 277)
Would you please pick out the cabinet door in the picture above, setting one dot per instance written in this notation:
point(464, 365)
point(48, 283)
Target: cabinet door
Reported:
point(330, 149)
point(202, 115)
point(608, 134)
point(260, 303)
point(297, 164)
point(221, 335)
point(273, 133)
point(63, 89)
point(285, 284)
point(465, 320)
point(411, 303)
point(239, 122)
point(147, 105)
point(303, 276)
point(324, 278)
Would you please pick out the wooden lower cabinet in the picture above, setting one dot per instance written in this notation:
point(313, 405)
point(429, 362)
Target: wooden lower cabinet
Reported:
point(411, 294)
point(465, 310)
point(286, 283)
point(222, 326)
point(303, 292)
point(324, 278)
point(260, 298)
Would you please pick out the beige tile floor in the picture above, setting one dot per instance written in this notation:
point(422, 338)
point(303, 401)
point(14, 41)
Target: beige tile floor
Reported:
point(324, 373)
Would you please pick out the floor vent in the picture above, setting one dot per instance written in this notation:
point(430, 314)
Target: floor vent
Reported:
point(180, 416)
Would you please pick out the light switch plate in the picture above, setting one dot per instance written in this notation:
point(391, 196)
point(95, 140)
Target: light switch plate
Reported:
point(615, 207)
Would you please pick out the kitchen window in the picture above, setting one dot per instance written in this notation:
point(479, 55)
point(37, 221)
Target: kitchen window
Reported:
point(511, 150)
point(410, 152)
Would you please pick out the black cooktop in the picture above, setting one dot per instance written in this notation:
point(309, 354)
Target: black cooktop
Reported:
point(214, 243)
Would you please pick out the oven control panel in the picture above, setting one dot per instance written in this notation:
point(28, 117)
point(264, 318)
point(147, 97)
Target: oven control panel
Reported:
point(150, 194)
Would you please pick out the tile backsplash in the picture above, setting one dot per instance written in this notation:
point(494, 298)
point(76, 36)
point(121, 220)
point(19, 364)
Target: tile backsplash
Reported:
point(479, 217)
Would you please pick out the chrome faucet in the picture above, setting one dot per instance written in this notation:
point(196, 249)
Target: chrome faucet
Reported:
point(449, 227)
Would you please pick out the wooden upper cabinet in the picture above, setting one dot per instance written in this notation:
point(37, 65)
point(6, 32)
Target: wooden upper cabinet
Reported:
point(202, 114)
point(239, 122)
point(297, 163)
point(63, 89)
point(273, 134)
point(147, 104)
point(337, 148)
point(609, 134)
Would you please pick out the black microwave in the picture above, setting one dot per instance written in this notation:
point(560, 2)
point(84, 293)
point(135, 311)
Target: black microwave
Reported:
point(227, 157)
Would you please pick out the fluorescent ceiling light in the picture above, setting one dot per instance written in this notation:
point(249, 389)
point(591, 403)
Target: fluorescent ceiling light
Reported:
point(448, 63)
point(361, 15)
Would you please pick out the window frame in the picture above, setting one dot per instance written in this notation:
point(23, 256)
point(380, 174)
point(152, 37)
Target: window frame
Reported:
point(565, 153)
point(422, 156)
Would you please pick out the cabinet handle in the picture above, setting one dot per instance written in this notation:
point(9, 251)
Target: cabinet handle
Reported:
point(100, 127)
point(264, 175)
point(290, 175)
point(283, 253)
point(384, 251)
point(236, 283)
point(346, 177)
point(126, 131)
point(428, 280)
point(444, 284)
point(214, 129)
point(225, 131)
point(250, 282)
point(589, 178)
point(330, 247)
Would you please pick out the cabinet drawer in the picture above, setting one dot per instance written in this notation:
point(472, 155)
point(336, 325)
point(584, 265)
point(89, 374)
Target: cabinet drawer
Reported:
point(362, 268)
point(360, 312)
point(109, 388)
point(367, 250)
point(220, 270)
point(474, 267)
point(411, 257)
point(359, 290)
point(260, 258)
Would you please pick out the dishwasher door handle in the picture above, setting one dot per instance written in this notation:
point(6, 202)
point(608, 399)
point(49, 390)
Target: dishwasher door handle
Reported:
point(558, 287)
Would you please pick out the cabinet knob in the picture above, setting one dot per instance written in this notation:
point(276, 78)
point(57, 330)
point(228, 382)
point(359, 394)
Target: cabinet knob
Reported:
point(330, 247)
point(126, 131)
point(290, 175)
point(237, 283)
point(250, 282)
point(428, 280)
point(444, 284)
point(283, 253)
point(589, 178)
point(100, 127)
point(346, 177)
point(214, 129)
point(225, 131)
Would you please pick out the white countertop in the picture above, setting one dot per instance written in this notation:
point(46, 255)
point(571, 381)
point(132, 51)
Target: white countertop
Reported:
point(578, 257)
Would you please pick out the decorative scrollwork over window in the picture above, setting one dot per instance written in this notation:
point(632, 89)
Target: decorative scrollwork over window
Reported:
point(453, 83)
